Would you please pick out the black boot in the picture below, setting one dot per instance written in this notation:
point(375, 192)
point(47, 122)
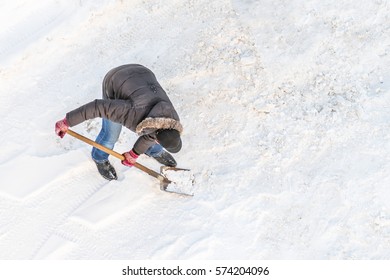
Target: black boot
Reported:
point(106, 170)
point(166, 159)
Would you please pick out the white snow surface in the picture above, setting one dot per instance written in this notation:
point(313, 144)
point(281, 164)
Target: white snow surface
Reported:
point(286, 114)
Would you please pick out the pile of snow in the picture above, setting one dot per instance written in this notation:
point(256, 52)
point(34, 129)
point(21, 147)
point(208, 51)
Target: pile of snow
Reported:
point(285, 107)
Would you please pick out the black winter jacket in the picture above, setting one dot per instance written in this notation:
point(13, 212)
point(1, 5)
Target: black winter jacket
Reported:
point(132, 97)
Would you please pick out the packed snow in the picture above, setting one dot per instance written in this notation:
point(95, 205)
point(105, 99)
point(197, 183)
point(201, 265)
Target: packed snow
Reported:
point(286, 114)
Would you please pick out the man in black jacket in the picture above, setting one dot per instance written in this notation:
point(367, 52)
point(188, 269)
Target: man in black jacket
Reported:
point(132, 97)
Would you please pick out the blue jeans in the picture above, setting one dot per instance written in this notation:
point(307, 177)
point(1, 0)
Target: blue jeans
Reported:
point(108, 137)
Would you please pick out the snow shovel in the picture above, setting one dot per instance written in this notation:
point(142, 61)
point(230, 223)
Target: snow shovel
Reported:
point(164, 181)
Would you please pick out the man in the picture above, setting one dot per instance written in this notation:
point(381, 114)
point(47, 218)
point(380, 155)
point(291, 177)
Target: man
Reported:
point(132, 97)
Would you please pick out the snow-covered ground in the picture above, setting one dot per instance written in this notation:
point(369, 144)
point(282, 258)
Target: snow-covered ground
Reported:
point(286, 111)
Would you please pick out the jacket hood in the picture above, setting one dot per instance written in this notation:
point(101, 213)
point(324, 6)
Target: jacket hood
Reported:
point(150, 125)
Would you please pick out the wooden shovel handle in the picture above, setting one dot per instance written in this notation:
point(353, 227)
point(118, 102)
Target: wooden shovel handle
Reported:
point(115, 154)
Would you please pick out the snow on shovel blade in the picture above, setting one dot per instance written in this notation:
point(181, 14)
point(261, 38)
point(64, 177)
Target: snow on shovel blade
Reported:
point(179, 180)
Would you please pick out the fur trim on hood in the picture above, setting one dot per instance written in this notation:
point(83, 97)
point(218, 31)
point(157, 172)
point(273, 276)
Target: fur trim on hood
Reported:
point(150, 125)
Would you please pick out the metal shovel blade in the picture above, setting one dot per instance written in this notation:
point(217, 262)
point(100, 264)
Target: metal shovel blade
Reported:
point(177, 180)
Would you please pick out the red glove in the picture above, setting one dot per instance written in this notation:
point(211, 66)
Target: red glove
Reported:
point(130, 158)
point(61, 127)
